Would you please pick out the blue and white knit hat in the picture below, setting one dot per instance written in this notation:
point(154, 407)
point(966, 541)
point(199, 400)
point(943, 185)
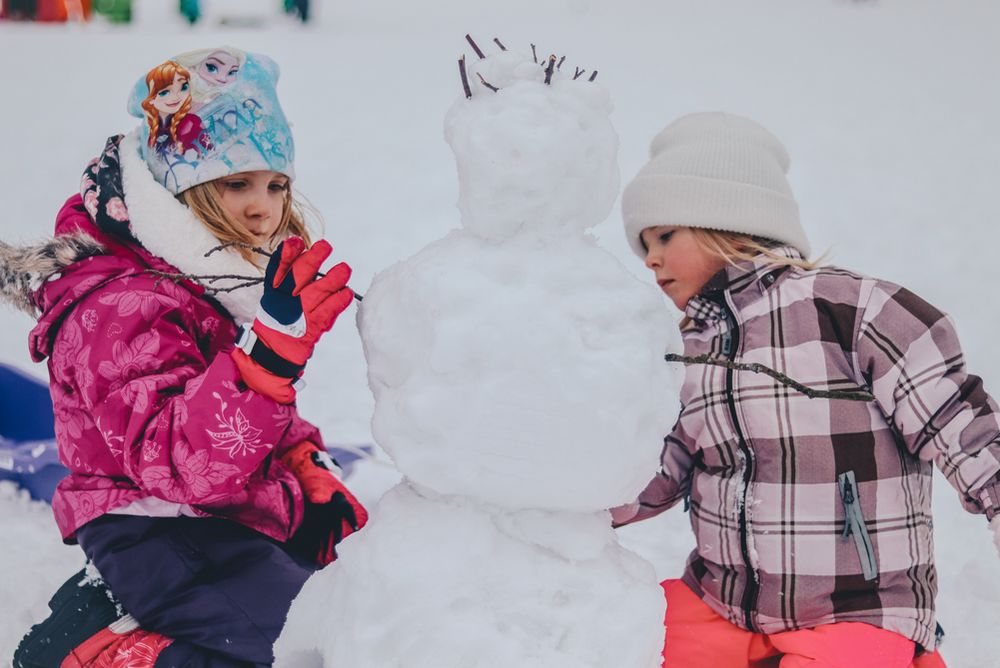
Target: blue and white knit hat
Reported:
point(211, 113)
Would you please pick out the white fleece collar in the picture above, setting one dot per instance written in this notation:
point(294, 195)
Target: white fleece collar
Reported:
point(168, 229)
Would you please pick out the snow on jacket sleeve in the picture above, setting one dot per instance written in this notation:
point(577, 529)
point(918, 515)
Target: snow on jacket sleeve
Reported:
point(669, 486)
point(909, 354)
point(180, 427)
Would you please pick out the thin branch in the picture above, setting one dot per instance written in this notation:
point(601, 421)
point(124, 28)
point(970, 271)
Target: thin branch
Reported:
point(499, 43)
point(238, 244)
point(475, 47)
point(709, 360)
point(561, 61)
point(465, 78)
point(534, 54)
point(578, 73)
point(593, 76)
point(550, 69)
point(207, 280)
point(486, 83)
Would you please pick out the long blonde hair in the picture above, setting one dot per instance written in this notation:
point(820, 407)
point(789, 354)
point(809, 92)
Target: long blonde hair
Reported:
point(735, 248)
point(205, 202)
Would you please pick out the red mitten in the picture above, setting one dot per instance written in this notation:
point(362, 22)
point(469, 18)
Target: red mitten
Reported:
point(296, 310)
point(332, 512)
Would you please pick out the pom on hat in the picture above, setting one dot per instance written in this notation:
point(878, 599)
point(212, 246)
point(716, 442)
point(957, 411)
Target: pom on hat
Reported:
point(717, 171)
point(211, 113)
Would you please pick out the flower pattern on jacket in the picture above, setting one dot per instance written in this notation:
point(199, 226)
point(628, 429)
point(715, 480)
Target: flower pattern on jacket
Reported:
point(236, 436)
point(148, 401)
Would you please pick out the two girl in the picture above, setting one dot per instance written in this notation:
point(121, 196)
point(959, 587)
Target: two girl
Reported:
point(197, 491)
point(812, 516)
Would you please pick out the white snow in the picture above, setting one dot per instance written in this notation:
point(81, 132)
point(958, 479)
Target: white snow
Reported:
point(504, 359)
point(888, 108)
point(447, 582)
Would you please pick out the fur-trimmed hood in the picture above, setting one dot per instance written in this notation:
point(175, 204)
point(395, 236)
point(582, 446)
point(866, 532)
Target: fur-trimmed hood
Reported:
point(123, 212)
point(23, 269)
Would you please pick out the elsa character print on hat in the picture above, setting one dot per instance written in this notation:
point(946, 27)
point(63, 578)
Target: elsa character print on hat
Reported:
point(210, 113)
point(213, 70)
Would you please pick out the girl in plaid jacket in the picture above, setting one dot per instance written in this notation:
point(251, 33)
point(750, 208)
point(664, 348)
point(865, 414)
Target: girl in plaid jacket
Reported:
point(812, 515)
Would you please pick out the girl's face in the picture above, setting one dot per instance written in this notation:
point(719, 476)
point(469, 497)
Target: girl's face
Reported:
point(219, 69)
point(168, 100)
point(682, 266)
point(255, 200)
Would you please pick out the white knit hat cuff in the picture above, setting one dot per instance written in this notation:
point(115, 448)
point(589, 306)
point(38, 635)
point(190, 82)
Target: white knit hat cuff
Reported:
point(694, 201)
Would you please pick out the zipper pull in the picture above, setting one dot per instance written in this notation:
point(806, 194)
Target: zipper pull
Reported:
point(848, 496)
point(848, 493)
point(727, 342)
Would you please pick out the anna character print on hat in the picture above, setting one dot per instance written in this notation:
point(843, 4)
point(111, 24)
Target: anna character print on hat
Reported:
point(210, 113)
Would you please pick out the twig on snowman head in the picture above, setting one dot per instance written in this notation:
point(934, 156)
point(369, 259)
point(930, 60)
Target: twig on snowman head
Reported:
point(487, 83)
point(499, 43)
point(475, 47)
point(550, 69)
point(578, 73)
point(534, 54)
point(465, 77)
point(593, 76)
point(561, 61)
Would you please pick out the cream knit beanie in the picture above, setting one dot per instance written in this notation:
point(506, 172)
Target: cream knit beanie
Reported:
point(717, 171)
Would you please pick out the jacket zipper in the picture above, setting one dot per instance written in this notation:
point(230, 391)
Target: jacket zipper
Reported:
point(730, 343)
point(854, 523)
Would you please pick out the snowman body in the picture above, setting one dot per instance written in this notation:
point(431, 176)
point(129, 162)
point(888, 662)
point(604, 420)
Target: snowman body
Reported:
point(521, 391)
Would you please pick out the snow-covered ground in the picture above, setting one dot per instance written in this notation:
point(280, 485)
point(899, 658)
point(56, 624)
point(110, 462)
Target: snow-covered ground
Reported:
point(888, 108)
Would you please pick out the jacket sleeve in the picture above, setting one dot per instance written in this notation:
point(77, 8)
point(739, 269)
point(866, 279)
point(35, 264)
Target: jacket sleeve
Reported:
point(181, 427)
point(670, 485)
point(910, 357)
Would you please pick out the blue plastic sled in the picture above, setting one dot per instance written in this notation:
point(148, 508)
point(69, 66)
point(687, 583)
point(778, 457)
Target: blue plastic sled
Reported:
point(28, 452)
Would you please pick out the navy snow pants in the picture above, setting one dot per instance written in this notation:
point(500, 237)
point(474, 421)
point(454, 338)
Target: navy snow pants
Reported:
point(219, 589)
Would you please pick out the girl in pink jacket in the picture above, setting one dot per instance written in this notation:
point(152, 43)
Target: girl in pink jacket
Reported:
point(810, 504)
point(196, 490)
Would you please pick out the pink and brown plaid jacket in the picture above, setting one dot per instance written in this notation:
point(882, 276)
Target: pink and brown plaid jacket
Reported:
point(814, 511)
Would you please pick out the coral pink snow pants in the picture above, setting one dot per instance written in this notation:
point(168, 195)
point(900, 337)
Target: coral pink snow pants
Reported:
point(697, 637)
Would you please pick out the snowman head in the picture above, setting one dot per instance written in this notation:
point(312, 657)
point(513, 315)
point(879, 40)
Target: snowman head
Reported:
point(537, 155)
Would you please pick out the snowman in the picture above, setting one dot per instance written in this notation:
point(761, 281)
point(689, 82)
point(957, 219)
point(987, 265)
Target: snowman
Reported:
point(520, 389)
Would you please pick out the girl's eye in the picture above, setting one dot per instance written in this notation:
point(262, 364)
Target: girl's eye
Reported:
point(665, 237)
point(212, 69)
point(235, 185)
point(163, 93)
point(233, 72)
point(278, 187)
point(184, 87)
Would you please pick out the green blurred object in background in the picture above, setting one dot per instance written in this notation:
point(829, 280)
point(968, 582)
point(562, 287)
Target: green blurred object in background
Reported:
point(116, 11)
point(190, 10)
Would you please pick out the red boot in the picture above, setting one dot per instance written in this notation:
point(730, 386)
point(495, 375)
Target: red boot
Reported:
point(121, 645)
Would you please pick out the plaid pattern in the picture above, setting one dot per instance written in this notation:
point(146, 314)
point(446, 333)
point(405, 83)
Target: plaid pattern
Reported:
point(781, 545)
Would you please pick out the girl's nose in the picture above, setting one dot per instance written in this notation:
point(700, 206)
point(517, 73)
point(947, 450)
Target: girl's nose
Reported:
point(652, 260)
point(257, 206)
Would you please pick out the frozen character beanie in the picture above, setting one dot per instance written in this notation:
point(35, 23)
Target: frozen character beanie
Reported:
point(211, 113)
point(716, 171)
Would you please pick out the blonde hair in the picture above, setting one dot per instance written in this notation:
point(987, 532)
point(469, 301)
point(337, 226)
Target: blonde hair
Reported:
point(205, 202)
point(735, 248)
point(160, 77)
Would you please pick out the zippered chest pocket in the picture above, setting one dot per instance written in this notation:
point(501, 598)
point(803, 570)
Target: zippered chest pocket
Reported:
point(854, 523)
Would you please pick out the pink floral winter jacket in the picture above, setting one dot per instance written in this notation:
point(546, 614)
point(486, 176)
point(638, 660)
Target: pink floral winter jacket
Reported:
point(151, 415)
